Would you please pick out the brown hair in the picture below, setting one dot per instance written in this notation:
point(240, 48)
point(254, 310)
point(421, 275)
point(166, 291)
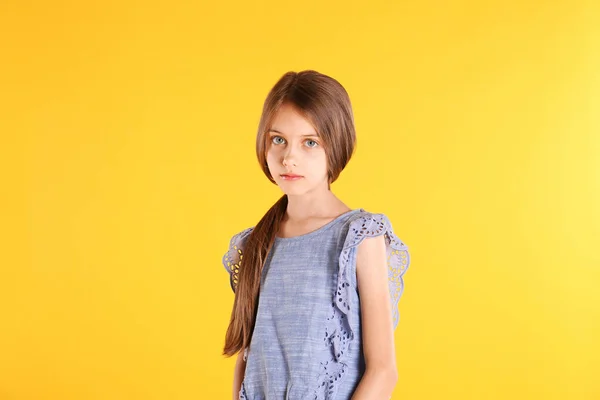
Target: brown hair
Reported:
point(324, 102)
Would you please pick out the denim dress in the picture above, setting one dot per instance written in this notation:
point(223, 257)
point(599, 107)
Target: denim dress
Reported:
point(307, 341)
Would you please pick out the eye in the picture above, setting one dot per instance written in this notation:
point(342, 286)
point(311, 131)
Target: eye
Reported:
point(315, 143)
point(276, 137)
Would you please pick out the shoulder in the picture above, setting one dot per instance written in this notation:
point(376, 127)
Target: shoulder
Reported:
point(232, 259)
point(234, 252)
point(239, 238)
point(366, 224)
point(368, 232)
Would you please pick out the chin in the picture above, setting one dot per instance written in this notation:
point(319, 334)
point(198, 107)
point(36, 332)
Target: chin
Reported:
point(292, 188)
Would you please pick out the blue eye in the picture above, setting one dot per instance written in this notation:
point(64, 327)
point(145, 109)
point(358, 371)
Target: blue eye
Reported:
point(276, 137)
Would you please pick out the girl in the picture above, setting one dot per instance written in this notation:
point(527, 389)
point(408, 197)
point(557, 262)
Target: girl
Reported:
point(316, 283)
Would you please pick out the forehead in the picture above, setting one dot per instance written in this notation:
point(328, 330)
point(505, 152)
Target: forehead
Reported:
point(288, 121)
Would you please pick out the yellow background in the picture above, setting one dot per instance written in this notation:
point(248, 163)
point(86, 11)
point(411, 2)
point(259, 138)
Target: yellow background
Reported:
point(128, 162)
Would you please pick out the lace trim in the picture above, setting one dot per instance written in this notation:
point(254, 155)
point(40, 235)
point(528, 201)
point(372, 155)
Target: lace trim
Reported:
point(338, 331)
point(232, 259)
point(242, 393)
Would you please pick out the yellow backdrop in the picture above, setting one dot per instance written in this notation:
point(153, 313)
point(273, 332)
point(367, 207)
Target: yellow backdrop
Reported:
point(128, 130)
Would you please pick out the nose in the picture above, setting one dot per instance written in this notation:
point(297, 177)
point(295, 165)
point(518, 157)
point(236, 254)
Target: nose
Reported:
point(289, 157)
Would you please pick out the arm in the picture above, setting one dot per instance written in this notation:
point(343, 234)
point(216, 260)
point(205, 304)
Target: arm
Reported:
point(381, 374)
point(238, 375)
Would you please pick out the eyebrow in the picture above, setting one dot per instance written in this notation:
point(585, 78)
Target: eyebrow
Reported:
point(276, 131)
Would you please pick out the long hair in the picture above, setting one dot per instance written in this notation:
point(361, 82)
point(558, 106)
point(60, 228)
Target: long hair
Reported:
point(324, 102)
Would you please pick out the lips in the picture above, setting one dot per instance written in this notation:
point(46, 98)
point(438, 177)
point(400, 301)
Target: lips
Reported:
point(291, 177)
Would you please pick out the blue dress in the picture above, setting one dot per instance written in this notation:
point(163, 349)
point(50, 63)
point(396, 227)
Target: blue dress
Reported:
point(307, 341)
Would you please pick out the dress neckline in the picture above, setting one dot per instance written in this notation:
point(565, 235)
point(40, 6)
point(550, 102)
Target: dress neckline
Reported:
point(318, 230)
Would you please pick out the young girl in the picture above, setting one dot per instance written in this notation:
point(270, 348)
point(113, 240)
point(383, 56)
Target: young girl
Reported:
point(316, 283)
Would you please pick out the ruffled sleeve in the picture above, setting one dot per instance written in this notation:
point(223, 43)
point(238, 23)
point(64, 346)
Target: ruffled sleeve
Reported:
point(232, 259)
point(398, 260)
point(339, 328)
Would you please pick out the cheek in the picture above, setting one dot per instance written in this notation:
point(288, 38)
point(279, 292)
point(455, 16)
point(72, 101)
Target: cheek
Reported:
point(319, 156)
point(318, 160)
point(271, 156)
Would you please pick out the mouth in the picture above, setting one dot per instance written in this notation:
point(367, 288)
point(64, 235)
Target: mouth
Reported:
point(290, 177)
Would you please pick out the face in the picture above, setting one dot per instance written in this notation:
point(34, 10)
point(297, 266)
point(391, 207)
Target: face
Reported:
point(294, 147)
